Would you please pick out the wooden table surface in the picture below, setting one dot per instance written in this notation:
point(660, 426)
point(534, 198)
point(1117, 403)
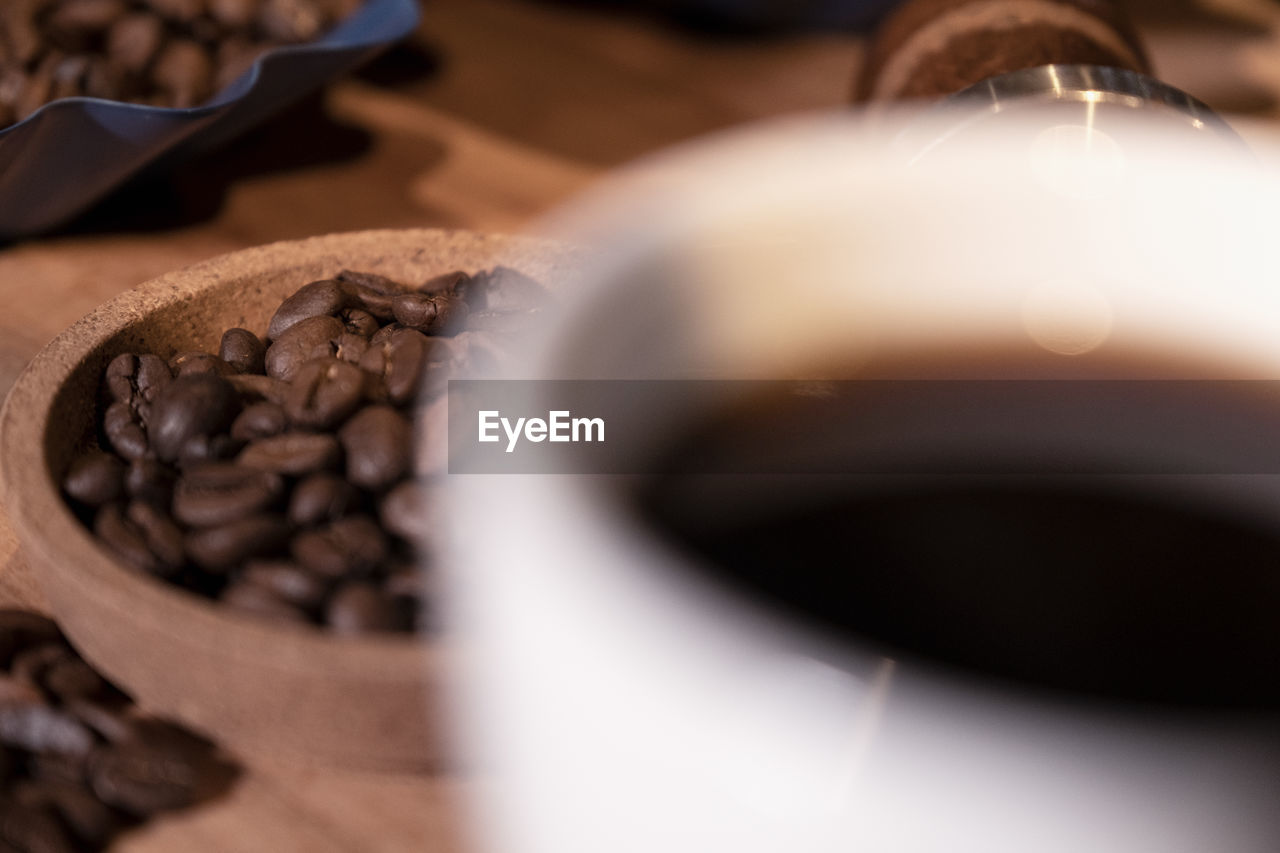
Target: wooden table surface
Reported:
point(495, 111)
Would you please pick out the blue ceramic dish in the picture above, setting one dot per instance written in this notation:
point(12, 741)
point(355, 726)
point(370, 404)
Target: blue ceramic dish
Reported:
point(70, 153)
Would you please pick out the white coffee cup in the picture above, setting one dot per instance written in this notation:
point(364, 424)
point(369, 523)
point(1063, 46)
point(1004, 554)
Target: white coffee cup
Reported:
point(616, 699)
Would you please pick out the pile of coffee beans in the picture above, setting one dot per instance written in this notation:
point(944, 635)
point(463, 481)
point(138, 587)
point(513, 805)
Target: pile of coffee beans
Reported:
point(78, 763)
point(281, 476)
point(168, 53)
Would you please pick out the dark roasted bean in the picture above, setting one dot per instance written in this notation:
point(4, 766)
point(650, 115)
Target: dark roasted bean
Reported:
point(292, 453)
point(124, 538)
point(218, 549)
point(234, 14)
point(288, 580)
point(291, 20)
point(376, 442)
point(317, 299)
point(405, 511)
point(350, 545)
point(359, 607)
point(159, 769)
point(323, 393)
point(314, 337)
point(95, 478)
point(259, 420)
point(350, 347)
point(124, 431)
point(254, 598)
point(201, 404)
point(200, 449)
point(73, 23)
point(89, 819)
point(374, 292)
point(184, 71)
point(70, 678)
point(162, 536)
point(434, 314)
point(185, 363)
point(256, 388)
point(135, 379)
point(455, 283)
point(150, 481)
point(396, 365)
point(243, 350)
point(357, 321)
point(319, 498)
point(220, 492)
point(134, 40)
point(21, 629)
point(32, 829)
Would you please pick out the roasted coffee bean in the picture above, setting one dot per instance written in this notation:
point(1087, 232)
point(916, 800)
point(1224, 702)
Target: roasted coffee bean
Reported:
point(109, 719)
point(313, 337)
point(124, 538)
point(291, 20)
point(217, 549)
point(70, 678)
point(185, 363)
point(503, 289)
point(396, 364)
point(155, 772)
point(90, 821)
point(350, 347)
point(359, 607)
point(221, 492)
point(200, 449)
point(134, 40)
point(73, 24)
point(384, 334)
point(162, 536)
point(150, 481)
point(95, 478)
point(374, 292)
point(243, 350)
point(376, 442)
point(319, 498)
point(18, 691)
point(178, 10)
point(201, 404)
point(292, 453)
point(31, 663)
point(254, 598)
point(184, 71)
point(32, 829)
point(350, 545)
point(22, 629)
point(124, 431)
point(433, 314)
point(235, 14)
point(455, 283)
point(405, 511)
point(323, 393)
point(288, 580)
point(357, 321)
point(135, 379)
point(259, 420)
point(255, 388)
point(42, 728)
point(318, 299)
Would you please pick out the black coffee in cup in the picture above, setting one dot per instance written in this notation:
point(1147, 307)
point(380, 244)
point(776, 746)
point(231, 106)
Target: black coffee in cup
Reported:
point(1066, 526)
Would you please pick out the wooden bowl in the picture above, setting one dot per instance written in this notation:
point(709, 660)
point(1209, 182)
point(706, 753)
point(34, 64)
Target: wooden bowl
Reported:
point(260, 687)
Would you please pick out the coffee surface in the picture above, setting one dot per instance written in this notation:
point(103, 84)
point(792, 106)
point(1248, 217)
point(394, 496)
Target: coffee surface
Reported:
point(1108, 582)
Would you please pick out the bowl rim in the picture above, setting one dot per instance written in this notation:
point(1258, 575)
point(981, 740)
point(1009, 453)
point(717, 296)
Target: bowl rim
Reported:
point(50, 533)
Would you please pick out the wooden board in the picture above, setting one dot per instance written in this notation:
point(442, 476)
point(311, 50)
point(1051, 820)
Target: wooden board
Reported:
point(499, 110)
